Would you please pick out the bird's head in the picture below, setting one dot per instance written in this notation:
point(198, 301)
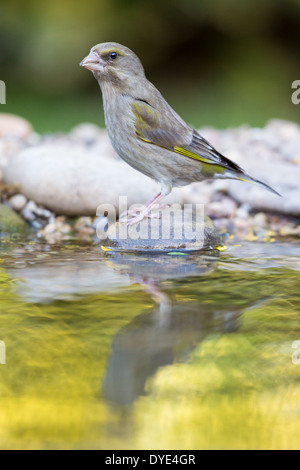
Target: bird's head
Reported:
point(113, 62)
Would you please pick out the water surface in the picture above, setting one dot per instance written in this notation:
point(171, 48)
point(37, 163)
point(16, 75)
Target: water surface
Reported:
point(118, 351)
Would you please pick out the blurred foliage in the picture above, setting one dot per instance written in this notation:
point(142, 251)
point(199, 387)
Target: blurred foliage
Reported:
point(219, 62)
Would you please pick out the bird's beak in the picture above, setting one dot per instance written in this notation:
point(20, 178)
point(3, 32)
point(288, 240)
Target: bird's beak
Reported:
point(93, 62)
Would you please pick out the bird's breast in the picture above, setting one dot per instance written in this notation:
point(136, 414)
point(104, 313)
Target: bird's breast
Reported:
point(120, 125)
point(155, 162)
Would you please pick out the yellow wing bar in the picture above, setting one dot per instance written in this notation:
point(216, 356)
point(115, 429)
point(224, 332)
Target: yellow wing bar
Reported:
point(193, 155)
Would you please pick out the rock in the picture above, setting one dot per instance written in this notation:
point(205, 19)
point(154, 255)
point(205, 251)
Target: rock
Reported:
point(163, 234)
point(289, 230)
point(223, 208)
point(270, 154)
point(73, 181)
point(198, 193)
point(37, 216)
point(283, 177)
point(87, 133)
point(10, 222)
point(243, 212)
point(56, 230)
point(14, 126)
point(285, 130)
point(83, 222)
point(73, 174)
point(84, 227)
point(291, 150)
point(260, 220)
point(91, 136)
point(104, 147)
point(15, 134)
point(18, 202)
point(8, 148)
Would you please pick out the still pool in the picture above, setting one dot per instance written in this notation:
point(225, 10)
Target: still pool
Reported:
point(120, 351)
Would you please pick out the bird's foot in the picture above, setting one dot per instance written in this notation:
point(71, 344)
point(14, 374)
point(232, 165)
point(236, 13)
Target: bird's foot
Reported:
point(133, 216)
point(136, 219)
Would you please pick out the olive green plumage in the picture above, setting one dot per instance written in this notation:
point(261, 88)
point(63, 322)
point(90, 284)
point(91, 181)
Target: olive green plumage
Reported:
point(146, 132)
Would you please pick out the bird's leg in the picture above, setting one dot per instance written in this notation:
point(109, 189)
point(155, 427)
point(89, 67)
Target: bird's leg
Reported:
point(146, 212)
point(131, 213)
point(137, 214)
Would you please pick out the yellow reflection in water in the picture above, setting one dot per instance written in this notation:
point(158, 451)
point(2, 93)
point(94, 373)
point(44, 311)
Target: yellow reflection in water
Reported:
point(234, 389)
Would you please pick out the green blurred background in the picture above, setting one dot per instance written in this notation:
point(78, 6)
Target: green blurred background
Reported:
point(218, 62)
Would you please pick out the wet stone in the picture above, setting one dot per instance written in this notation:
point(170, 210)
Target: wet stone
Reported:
point(14, 126)
point(179, 231)
point(10, 222)
point(18, 202)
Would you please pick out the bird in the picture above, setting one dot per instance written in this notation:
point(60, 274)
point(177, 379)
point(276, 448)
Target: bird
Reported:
point(147, 133)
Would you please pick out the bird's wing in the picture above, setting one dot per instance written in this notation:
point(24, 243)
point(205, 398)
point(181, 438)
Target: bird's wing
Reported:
point(164, 130)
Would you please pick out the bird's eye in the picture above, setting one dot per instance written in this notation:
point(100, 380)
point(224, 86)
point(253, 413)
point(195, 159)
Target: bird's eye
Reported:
point(113, 55)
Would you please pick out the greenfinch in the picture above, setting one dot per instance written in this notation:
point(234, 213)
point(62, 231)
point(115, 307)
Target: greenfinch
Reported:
point(147, 133)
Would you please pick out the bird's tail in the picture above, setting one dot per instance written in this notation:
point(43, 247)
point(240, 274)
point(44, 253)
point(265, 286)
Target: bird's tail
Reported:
point(248, 179)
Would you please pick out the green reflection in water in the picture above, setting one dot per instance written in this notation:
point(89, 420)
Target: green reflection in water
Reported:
point(191, 361)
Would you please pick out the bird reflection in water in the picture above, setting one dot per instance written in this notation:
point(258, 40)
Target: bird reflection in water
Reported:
point(164, 334)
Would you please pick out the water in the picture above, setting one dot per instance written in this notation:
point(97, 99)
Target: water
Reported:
point(111, 351)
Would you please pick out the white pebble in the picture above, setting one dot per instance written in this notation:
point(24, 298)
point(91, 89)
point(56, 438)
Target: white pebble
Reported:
point(18, 202)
